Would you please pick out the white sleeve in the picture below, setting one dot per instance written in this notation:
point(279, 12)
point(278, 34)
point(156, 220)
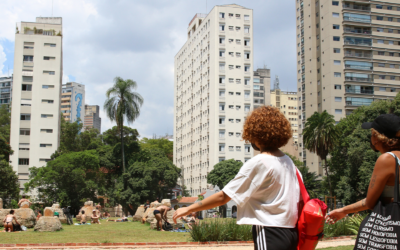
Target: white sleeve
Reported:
point(240, 189)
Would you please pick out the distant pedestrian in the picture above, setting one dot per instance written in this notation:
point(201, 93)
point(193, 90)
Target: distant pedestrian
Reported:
point(8, 225)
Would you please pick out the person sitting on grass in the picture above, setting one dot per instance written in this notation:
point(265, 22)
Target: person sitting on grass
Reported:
point(38, 215)
point(95, 217)
point(8, 225)
point(161, 214)
point(106, 215)
point(192, 219)
point(83, 218)
point(122, 219)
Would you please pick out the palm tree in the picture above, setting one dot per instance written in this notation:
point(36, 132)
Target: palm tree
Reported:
point(123, 103)
point(320, 136)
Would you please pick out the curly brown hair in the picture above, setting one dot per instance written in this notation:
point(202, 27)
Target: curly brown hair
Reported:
point(268, 127)
point(389, 143)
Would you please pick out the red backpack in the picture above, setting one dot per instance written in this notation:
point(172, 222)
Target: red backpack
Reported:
point(311, 219)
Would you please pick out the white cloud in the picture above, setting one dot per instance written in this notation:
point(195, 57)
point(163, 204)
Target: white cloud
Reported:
point(138, 40)
point(2, 60)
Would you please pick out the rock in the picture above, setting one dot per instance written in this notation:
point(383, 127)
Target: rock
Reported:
point(89, 203)
point(48, 224)
point(1, 203)
point(24, 204)
point(88, 211)
point(56, 206)
point(25, 216)
point(137, 218)
point(140, 211)
point(48, 212)
point(166, 202)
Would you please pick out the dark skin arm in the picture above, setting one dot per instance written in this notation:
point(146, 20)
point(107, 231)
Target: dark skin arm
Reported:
point(380, 176)
point(214, 200)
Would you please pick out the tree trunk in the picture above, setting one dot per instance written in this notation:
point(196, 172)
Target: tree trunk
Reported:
point(327, 177)
point(122, 146)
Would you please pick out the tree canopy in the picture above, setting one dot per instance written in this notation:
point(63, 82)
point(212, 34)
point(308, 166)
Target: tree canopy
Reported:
point(224, 172)
point(164, 144)
point(5, 122)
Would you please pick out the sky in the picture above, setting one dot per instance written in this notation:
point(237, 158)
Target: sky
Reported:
point(138, 40)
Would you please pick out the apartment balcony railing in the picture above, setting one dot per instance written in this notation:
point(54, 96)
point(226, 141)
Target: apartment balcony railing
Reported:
point(347, 66)
point(356, 19)
point(358, 43)
point(360, 91)
point(358, 79)
point(357, 31)
point(360, 55)
point(356, 7)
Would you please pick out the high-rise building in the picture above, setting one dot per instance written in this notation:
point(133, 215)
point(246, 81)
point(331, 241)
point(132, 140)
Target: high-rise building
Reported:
point(92, 117)
point(261, 87)
point(73, 101)
point(35, 116)
point(347, 55)
point(212, 87)
point(5, 90)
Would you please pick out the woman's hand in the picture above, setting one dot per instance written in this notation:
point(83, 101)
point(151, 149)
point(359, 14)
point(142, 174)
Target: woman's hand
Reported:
point(334, 216)
point(180, 213)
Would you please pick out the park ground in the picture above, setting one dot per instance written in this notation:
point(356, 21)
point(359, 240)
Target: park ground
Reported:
point(108, 232)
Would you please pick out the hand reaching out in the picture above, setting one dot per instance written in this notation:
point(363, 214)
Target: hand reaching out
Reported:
point(334, 216)
point(180, 213)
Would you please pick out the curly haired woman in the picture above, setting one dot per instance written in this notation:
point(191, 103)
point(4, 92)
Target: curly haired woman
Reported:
point(266, 189)
point(385, 137)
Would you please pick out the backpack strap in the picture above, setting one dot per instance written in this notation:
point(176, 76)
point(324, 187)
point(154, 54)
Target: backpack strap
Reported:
point(303, 189)
point(396, 183)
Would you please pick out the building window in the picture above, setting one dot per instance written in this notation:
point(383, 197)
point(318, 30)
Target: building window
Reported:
point(338, 111)
point(336, 38)
point(23, 161)
point(47, 101)
point(221, 15)
point(246, 17)
point(24, 131)
point(392, 90)
point(49, 72)
point(246, 68)
point(26, 87)
point(222, 66)
point(25, 117)
point(46, 116)
point(247, 81)
point(378, 6)
point(382, 89)
point(337, 86)
point(380, 41)
point(336, 50)
point(49, 131)
point(238, 148)
point(221, 147)
point(222, 134)
point(381, 53)
point(336, 26)
point(337, 74)
point(222, 120)
point(222, 27)
point(43, 145)
point(336, 62)
point(334, 14)
point(380, 18)
point(246, 42)
point(335, 3)
point(247, 29)
point(222, 106)
point(222, 53)
point(222, 80)
point(222, 40)
point(222, 93)
point(50, 45)
point(338, 99)
point(28, 58)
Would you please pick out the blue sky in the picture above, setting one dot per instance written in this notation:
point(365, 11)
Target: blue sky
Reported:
point(138, 40)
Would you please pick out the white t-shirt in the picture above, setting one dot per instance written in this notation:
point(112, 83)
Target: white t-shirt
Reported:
point(266, 191)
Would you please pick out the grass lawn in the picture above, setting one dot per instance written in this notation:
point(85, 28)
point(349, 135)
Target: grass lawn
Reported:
point(107, 232)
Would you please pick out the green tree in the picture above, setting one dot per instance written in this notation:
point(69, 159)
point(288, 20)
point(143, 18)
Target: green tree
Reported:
point(164, 144)
point(311, 182)
point(150, 175)
point(352, 160)
point(69, 179)
point(224, 172)
point(9, 186)
point(113, 136)
point(5, 122)
point(320, 137)
point(123, 103)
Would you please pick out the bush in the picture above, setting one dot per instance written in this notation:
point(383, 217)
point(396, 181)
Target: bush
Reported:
point(347, 226)
point(220, 230)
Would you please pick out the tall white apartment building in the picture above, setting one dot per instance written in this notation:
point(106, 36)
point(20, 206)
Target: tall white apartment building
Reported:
point(213, 85)
point(73, 102)
point(35, 115)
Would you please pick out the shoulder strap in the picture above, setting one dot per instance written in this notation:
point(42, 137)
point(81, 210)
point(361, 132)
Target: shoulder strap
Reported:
point(396, 183)
point(303, 189)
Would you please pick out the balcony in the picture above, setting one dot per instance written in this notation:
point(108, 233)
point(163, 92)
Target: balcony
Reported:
point(356, 7)
point(360, 67)
point(360, 91)
point(358, 79)
point(356, 19)
point(357, 31)
point(358, 54)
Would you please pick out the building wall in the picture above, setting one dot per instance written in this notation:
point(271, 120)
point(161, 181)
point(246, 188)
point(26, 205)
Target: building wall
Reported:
point(209, 77)
point(5, 90)
point(73, 101)
point(92, 117)
point(347, 57)
point(36, 111)
point(261, 87)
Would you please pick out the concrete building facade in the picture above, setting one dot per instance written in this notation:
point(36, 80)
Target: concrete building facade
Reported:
point(347, 56)
point(92, 117)
point(213, 93)
point(5, 90)
point(35, 116)
point(73, 102)
point(261, 87)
